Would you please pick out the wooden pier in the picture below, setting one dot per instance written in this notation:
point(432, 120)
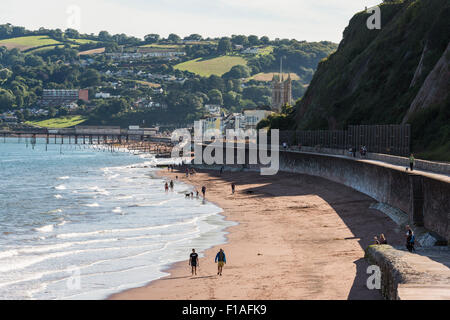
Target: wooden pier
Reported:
point(113, 138)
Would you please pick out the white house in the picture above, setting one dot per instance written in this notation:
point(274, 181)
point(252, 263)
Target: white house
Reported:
point(252, 117)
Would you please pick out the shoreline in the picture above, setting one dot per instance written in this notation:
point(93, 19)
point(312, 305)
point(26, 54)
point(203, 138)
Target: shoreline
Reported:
point(181, 264)
point(270, 253)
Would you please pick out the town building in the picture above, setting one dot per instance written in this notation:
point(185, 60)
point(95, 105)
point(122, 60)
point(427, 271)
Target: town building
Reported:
point(213, 109)
point(58, 97)
point(253, 117)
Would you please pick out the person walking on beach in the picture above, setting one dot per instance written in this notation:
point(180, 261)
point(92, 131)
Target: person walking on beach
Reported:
point(233, 187)
point(171, 185)
point(193, 262)
point(221, 260)
point(410, 238)
point(411, 161)
point(204, 191)
point(166, 187)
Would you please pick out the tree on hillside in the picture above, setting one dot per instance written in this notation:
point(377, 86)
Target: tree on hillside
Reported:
point(6, 100)
point(57, 34)
point(253, 40)
point(237, 72)
point(89, 78)
point(215, 97)
point(239, 39)
point(152, 38)
point(104, 36)
point(174, 38)
point(264, 40)
point(72, 33)
point(194, 37)
point(224, 46)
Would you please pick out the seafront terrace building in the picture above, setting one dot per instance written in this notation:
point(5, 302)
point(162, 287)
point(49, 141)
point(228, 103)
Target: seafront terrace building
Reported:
point(59, 97)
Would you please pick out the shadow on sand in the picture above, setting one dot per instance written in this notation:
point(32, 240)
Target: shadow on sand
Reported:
point(351, 206)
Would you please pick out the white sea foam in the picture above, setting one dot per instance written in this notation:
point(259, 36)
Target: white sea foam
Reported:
point(64, 178)
point(92, 205)
point(61, 187)
point(117, 210)
point(58, 196)
point(47, 228)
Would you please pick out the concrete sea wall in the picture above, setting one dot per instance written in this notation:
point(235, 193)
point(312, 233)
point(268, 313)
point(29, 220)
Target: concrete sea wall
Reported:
point(423, 198)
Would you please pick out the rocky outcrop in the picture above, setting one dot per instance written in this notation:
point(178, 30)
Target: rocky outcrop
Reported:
point(435, 87)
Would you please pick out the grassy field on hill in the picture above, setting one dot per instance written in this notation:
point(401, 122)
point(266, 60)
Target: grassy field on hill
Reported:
point(83, 41)
point(267, 76)
point(63, 122)
point(207, 67)
point(90, 52)
point(163, 46)
point(24, 43)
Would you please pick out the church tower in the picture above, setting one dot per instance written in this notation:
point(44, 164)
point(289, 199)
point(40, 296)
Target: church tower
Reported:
point(281, 92)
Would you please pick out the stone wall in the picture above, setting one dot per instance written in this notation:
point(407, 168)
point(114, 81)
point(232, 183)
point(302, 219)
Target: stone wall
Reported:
point(432, 166)
point(425, 201)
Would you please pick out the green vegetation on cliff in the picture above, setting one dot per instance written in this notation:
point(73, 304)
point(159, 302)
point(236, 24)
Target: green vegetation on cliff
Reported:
point(375, 76)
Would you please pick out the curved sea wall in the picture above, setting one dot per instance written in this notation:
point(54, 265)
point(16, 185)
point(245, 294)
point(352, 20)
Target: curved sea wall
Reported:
point(424, 198)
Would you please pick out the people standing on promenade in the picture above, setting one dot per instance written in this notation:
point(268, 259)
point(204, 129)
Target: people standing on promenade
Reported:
point(187, 173)
point(233, 187)
point(193, 261)
point(221, 170)
point(411, 161)
point(166, 187)
point(410, 238)
point(221, 261)
point(171, 185)
point(376, 240)
point(204, 191)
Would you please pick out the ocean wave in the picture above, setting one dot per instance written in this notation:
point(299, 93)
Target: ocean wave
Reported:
point(117, 210)
point(8, 253)
point(58, 196)
point(55, 211)
point(47, 228)
point(60, 187)
point(64, 178)
point(109, 231)
point(92, 205)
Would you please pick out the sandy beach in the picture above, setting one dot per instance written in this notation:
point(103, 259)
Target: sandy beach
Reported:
point(298, 237)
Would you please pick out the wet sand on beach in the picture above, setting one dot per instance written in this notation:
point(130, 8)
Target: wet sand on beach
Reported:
point(298, 237)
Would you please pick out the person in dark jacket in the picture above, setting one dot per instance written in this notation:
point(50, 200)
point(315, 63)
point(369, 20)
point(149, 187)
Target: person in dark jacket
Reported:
point(221, 261)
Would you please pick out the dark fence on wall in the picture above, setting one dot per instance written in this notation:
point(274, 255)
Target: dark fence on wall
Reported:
point(388, 139)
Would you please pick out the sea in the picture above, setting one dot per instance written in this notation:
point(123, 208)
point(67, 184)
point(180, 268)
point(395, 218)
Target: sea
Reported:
point(82, 222)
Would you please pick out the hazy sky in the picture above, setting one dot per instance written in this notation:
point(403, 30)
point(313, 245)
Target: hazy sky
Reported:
point(311, 20)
